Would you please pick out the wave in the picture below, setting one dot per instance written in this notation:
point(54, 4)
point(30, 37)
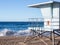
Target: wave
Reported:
point(8, 32)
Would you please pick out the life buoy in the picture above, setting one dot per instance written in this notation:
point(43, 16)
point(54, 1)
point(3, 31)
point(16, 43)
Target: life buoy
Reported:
point(48, 23)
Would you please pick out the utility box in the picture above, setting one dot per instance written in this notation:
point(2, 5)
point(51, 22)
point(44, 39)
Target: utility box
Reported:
point(51, 14)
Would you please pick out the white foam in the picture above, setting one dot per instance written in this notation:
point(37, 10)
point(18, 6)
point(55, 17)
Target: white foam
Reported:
point(23, 32)
point(4, 31)
point(15, 33)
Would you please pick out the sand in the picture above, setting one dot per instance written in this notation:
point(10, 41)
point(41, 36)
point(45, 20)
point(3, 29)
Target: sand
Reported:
point(13, 40)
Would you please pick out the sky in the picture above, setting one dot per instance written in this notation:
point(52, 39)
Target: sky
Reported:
point(17, 10)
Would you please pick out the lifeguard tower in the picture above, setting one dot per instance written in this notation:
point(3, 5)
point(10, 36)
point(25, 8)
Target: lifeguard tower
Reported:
point(51, 14)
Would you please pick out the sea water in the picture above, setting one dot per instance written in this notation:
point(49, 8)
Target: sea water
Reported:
point(17, 28)
point(19, 25)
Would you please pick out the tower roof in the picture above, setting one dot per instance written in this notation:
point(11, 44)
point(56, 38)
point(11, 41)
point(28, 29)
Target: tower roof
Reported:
point(43, 3)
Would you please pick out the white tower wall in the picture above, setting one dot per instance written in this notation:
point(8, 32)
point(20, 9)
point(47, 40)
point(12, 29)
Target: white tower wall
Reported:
point(46, 13)
point(55, 20)
point(51, 13)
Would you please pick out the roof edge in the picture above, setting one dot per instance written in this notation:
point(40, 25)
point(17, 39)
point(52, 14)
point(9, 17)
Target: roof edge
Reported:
point(49, 2)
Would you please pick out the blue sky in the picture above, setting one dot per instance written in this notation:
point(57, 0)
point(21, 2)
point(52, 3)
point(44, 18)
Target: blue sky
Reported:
point(17, 10)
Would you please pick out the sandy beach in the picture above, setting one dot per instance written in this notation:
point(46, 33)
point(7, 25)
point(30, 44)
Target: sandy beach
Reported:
point(12, 40)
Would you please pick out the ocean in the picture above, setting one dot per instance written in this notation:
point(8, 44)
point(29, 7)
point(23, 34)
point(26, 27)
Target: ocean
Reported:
point(17, 28)
point(19, 25)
